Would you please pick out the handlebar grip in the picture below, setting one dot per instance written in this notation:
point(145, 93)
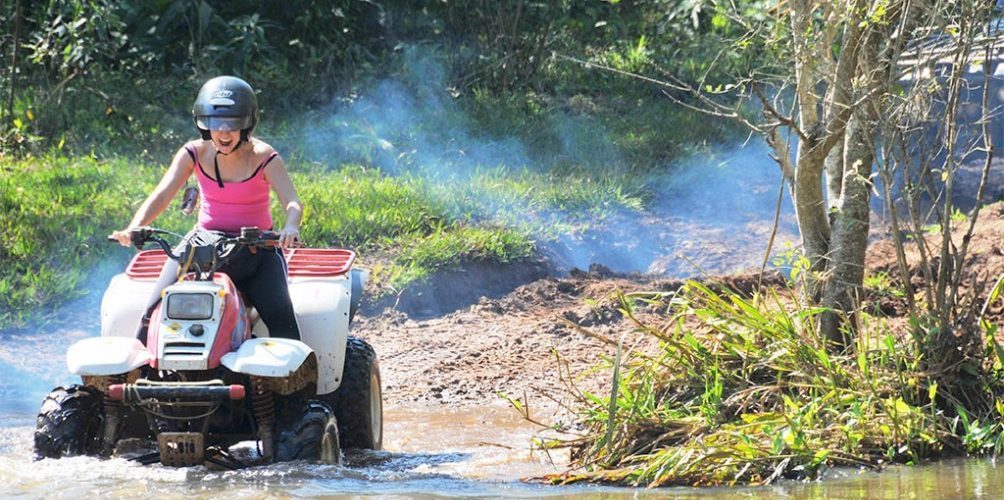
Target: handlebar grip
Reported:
point(269, 239)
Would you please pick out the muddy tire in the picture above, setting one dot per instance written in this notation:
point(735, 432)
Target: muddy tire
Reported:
point(358, 402)
point(310, 434)
point(69, 423)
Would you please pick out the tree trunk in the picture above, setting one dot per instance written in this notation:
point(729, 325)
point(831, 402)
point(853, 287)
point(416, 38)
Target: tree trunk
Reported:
point(810, 212)
point(834, 179)
point(849, 240)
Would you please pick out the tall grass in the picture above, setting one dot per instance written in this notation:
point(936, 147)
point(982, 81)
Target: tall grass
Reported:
point(744, 391)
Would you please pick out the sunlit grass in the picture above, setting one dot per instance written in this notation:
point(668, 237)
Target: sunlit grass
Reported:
point(56, 214)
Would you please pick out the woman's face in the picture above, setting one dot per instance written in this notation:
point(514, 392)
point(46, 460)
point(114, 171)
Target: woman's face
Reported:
point(225, 140)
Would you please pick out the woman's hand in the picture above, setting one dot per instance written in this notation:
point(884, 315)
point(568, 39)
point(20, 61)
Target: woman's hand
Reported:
point(288, 237)
point(124, 237)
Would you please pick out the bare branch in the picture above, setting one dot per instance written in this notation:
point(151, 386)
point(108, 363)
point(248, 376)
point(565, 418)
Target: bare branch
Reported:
point(801, 15)
point(782, 152)
point(772, 111)
point(711, 107)
point(838, 100)
point(831, 25)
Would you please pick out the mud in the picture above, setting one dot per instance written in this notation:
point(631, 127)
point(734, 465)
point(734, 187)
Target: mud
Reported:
point(983, 266)
point(523, 344)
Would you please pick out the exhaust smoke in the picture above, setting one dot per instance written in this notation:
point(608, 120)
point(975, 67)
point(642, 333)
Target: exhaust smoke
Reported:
point(712, 212)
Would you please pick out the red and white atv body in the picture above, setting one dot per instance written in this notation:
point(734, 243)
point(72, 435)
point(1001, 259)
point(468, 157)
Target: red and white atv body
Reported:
point(209, 374)
point(319, 286)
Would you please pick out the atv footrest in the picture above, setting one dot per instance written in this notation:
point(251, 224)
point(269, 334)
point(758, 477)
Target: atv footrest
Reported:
point(181, 449)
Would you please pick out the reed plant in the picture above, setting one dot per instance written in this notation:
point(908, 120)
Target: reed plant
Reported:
point(744, 390)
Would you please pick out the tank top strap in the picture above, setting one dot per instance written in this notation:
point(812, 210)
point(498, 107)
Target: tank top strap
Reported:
point(195, 158)
point(263, 165)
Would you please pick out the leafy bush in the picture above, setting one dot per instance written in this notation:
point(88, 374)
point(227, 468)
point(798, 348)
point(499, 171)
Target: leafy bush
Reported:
point(93, 72)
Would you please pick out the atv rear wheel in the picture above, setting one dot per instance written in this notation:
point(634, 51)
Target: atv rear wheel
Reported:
point(358, 401)
point(311, 434)
point(69, 423)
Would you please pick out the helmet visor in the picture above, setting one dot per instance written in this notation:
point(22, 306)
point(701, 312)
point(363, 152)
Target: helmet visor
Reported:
point(223, 123)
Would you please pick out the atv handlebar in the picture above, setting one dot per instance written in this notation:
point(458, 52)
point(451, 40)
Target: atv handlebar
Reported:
point(249, 236)
point(207, 249)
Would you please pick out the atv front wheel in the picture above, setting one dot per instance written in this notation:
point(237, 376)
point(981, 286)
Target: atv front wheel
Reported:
point(69, 423)
point(310, 435)
point(358, 401)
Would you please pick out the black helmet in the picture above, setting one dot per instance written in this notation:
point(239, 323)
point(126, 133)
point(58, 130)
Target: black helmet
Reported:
point(226, 103)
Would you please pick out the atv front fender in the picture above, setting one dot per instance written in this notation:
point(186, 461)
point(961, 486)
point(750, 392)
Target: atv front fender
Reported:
point(106, 356)
point(270, 357)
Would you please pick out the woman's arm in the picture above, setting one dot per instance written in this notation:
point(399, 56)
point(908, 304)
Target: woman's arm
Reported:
point(158, 200)
point(278, 178)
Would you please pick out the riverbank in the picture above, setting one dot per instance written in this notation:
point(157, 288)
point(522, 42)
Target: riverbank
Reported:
point(542, 344)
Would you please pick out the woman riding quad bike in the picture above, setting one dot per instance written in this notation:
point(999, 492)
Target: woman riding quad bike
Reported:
point(188, 364)
point(234, 195)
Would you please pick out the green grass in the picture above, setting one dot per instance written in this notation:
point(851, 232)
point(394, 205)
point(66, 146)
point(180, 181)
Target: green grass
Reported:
point(421, 225)
point(552, 163)
point(745, 391)
point(881, 284)
point(56, 212)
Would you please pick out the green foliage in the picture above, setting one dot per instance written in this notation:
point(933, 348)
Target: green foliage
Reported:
point(744, 390)
point(882, 284)
point(74, 36)
point(115, 79)
point(424, 224)
point(356, 206)
point(79, 57)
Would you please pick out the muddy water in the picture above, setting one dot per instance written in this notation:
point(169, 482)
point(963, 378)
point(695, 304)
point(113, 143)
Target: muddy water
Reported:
point(430, 452)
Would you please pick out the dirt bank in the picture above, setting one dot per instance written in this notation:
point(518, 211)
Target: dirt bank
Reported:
point(507, 343)
point(515, 344)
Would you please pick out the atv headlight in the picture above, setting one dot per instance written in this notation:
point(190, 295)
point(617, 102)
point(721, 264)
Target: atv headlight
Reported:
point(190, 306)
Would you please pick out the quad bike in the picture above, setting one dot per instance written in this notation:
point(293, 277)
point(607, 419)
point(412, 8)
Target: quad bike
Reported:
point(209, 376)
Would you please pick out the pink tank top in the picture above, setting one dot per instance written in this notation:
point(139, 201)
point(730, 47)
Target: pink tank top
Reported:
point(229, 206)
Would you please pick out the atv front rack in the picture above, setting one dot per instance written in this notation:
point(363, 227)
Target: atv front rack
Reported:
point(202, 392)
point(304, 262)
point(184, 448)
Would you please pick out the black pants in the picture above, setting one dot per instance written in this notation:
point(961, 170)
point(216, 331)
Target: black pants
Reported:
point(261, 277)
